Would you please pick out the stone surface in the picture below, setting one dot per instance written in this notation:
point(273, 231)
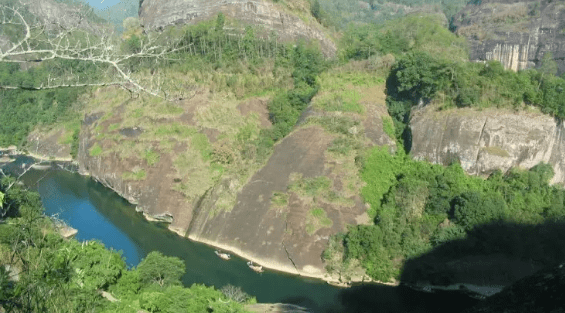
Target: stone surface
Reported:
point(276, 237)
point(64, 15)
point(516, 33)
point(156, 14)
point(487, 140)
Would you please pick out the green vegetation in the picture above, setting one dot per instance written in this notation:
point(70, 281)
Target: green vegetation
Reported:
point(137, 174)
point(279, 199)
point(388, 127)
point(397, 37)
point(420, 77)
point(287, 106)
point(340, 13)
point(28, 108)
point(95, 150)
point(411, 200)
point(64, 275)
point(310, 186)
point(151, 157)
point(317, 218)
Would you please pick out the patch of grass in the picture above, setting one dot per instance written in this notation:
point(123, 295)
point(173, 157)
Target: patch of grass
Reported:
point(194, 173)
point(137, 174)
point(347, 101)
point(343, 145)
point(174, 130)
point(317, 218)
point(152, 157)
point(279, 198)
point(201, 143)
point(340, 124)
point(496, 151)
point(388, 126)
point(311, 186)
point(95, 150)
point(137, 113)
point(113, 127)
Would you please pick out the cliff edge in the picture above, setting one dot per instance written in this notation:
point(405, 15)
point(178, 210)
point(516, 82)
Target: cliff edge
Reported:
point(487, 140)
point(516, 33)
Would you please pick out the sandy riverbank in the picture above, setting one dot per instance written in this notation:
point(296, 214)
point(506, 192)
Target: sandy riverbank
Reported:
point(13, 151)
point(287, 268)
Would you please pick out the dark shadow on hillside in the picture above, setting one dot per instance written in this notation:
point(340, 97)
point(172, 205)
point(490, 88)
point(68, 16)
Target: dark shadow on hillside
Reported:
point(492, 254)
point(388, 299)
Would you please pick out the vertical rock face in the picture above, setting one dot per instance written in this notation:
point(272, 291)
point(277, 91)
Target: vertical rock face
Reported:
point(516, 33)
point(156, 14)
point(488, 140)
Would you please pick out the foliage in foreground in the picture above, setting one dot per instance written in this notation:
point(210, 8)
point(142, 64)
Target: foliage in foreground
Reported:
point(42, 272)
point(418, 206)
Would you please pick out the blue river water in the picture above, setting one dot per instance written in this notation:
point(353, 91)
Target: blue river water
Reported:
point(100, 214)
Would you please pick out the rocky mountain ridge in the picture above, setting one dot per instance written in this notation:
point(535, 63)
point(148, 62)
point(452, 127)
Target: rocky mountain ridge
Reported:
point(517, 33)
point(281, 18)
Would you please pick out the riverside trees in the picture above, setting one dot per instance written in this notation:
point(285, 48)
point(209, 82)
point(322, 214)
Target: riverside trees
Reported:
point(42, 272)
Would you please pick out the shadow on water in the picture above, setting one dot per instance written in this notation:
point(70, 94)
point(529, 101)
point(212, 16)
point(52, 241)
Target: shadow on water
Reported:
point(97, 212)
point(492, 254)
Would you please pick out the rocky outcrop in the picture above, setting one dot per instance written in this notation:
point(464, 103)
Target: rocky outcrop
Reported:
point(516, 33)
point(277, 236)
point(484, 141)
point(57, 14)
point(157, 14)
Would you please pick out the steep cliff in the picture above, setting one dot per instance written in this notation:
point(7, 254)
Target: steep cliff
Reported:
point(516, 33)
point(490, 139)
point(278, 211)
point(289, 19)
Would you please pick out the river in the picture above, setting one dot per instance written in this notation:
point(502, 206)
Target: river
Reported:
point(100, 214)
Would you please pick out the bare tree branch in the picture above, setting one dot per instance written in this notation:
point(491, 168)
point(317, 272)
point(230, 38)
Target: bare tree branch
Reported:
point(43, 40)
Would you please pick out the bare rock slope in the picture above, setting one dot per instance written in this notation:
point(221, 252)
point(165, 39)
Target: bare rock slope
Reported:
point(278, 211)
point(282, 19)
point(488, 140)
point(515, 32)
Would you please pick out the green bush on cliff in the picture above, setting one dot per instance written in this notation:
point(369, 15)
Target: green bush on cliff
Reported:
point(419, 77)
point(417, 206)
point(287, 106)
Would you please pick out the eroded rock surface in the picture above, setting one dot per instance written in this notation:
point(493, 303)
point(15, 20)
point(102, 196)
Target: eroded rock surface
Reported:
point(487, 140)
point(276, 236)
point(155, 14)
point(516, 33)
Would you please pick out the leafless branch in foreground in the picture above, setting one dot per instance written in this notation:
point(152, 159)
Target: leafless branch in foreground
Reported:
point(46, 39)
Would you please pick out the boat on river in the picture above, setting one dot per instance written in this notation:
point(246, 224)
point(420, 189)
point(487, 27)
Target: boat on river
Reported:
point(256, 268)
point(223, 255)
point(339, 284)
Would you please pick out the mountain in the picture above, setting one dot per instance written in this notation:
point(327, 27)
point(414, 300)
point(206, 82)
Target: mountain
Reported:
point(516, 33)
